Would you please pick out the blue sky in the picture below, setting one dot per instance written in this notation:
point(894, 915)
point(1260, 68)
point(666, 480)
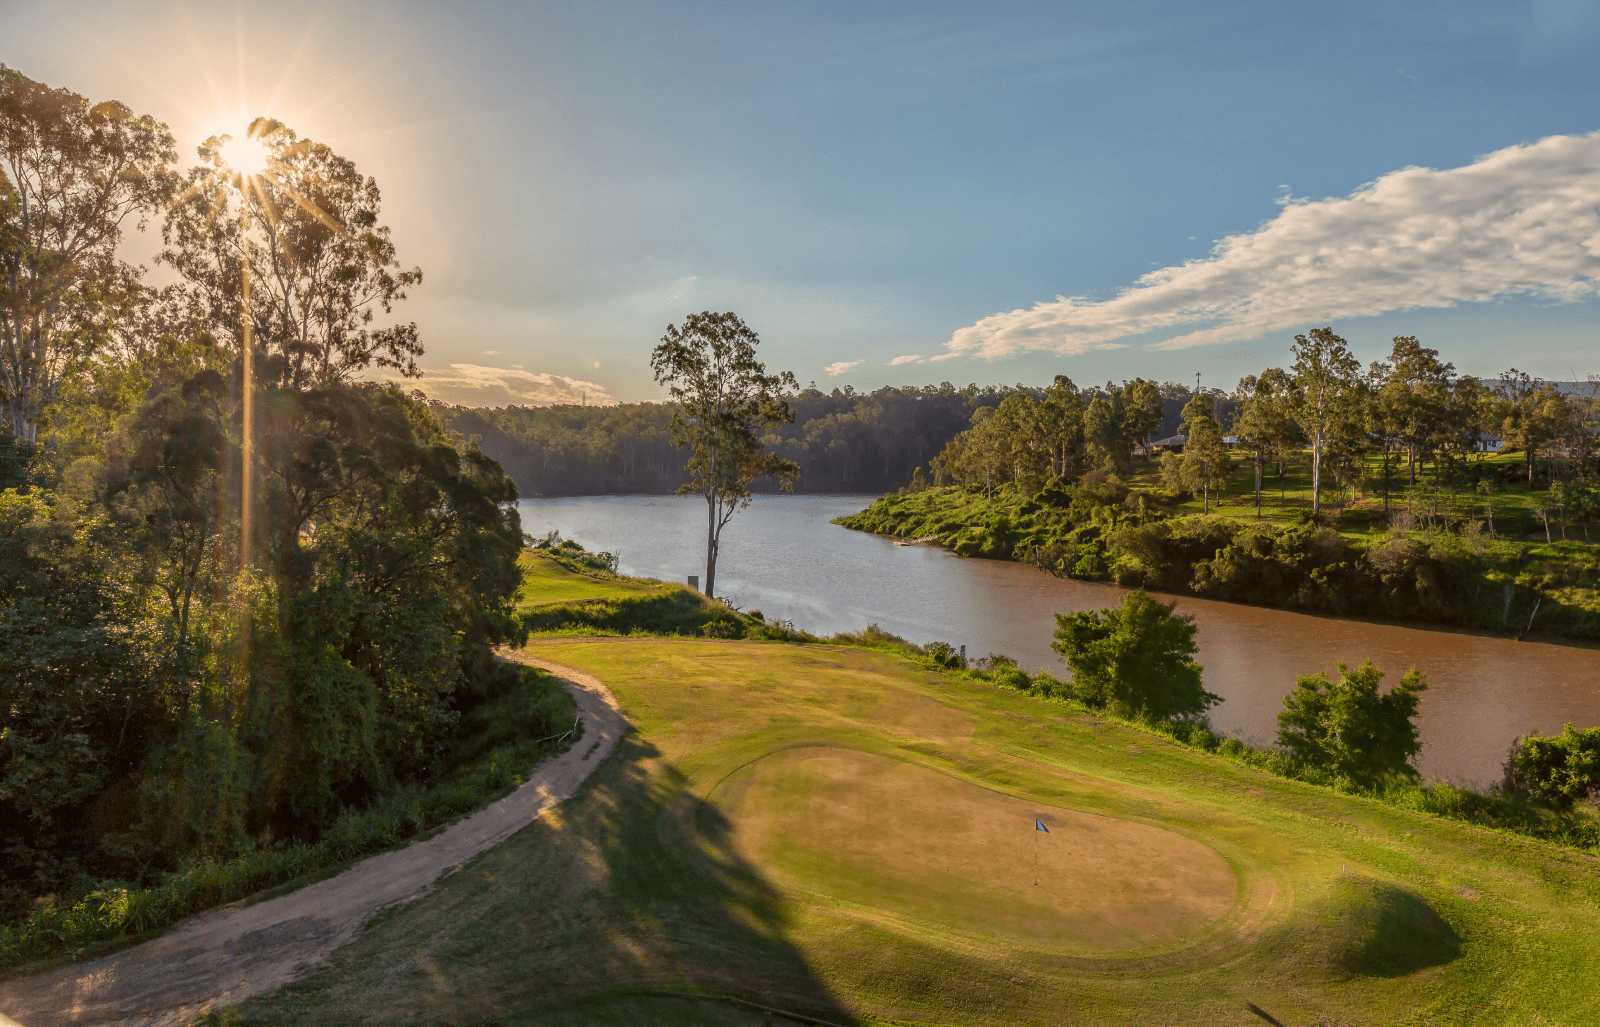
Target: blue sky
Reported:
point(867, 183)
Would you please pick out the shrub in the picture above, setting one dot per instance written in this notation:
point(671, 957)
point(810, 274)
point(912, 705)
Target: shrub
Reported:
point(1137, 659)
point(1347, 729)
point(1557, 769)
point(945, 655)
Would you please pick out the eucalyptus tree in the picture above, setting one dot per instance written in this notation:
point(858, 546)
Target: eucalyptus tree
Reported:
point(726, 402)
point(1206, 464)
point(73, 175)
point(1141, 412)
point(1419, 396)
point(322, 267)
point(1263, 423)
point(1327, 380)
point(1061, 423)
point(1533, 414)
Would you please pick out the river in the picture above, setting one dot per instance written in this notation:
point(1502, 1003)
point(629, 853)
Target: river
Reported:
point(783, 557)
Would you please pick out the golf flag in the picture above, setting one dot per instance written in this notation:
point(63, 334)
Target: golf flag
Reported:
point(1038, 825)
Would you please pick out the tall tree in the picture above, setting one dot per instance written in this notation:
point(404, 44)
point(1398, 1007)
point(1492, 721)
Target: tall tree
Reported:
point(1263, 423)
point(72, 175)
point(1061, 423)
point(1206, 463)
point(726, 403)
point(322, 265)
point(1326, 375)
point(1141, 412)
point(1533, 414)
point(1418, 384)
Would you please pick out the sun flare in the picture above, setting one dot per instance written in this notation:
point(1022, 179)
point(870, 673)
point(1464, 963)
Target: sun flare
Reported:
point(245, 155)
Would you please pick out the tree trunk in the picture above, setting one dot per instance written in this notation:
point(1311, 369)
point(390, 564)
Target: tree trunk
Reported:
point(1411, 466)
point(1258, 484)
point(1316, 476)
point(711, 544)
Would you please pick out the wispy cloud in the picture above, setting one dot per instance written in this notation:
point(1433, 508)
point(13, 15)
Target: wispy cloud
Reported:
point(839, 367)
point(1522, 221)
point(474, 385)
point(909, 358)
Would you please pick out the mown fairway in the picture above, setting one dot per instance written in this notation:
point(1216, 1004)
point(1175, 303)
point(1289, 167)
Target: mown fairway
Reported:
point(837, 831)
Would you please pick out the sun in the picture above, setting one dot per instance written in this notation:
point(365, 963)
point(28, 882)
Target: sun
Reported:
point(245, 155)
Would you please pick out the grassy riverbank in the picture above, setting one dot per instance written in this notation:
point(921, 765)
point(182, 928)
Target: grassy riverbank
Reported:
point(844, 832)
point(1446, 569)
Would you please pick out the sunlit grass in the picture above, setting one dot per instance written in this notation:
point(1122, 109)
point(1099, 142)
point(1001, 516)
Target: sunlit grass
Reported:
point(545, 581)
point(1344, 911)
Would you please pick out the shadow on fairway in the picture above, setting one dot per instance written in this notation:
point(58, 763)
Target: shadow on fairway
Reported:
point(573, 919)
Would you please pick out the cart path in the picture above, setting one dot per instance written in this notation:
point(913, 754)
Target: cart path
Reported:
point(225, 955)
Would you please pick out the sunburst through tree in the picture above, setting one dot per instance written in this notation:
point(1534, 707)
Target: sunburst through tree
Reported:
point(269, 213)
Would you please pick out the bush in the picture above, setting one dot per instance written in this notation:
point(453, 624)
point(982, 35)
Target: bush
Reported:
point(1556, 769)
point(945, 655)
point(1137, 659)
point(1346, 729)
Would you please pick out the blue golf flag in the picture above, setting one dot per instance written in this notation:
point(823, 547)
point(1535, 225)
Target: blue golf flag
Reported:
point(1038, 825)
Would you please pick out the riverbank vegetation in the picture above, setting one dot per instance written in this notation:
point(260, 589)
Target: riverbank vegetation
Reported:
point(1409, 520)
point(249, 603)
point(849, 834)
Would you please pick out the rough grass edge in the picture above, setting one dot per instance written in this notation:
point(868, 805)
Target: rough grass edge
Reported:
point(1495, 809)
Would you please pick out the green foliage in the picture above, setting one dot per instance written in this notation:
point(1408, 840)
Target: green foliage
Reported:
point(1558, 769)
point(943, 654)
point(488, 756)
point(725, 405)
point(1137, 658)
point(1349, 729)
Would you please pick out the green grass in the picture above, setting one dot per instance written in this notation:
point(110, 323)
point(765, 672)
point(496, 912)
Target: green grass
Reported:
point(545, 581)
point(658, 876)
point(1287, 500)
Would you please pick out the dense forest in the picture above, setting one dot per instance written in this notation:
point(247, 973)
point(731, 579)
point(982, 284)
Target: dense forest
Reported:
point(843, 440)
point(248, 603)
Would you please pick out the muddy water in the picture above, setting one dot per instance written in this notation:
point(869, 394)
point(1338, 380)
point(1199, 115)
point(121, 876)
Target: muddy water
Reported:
point(783, 557)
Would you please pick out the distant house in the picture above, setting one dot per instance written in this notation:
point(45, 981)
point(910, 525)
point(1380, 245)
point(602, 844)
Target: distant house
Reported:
point(1172, 443)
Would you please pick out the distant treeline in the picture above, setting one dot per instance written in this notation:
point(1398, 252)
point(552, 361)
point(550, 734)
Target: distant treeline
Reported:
point(844, 441)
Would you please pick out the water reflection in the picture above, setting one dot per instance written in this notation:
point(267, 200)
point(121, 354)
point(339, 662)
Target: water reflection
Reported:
point(782, 556)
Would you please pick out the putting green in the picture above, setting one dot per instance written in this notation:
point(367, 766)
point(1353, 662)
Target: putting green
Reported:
point(913, 842)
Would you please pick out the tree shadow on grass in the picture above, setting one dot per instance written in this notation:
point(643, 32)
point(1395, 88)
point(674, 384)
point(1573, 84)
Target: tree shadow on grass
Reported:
point(633, 885)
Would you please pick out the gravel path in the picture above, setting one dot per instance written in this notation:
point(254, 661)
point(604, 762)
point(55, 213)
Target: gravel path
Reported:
point(228, 954)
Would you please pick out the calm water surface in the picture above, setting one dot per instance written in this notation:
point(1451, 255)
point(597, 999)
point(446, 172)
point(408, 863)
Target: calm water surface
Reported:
point(783, 557)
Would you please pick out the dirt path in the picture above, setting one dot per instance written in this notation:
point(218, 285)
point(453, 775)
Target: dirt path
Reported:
point(228, 954)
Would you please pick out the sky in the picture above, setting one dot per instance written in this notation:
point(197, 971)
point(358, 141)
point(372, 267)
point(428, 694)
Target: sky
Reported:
point(900, 194)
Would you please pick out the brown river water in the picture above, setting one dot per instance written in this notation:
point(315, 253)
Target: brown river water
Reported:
point(784, 557)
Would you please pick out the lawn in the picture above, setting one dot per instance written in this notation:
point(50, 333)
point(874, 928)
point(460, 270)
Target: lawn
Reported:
point(544, 581)
point(841, 832)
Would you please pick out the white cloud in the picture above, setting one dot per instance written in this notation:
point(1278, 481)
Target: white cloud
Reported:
point(476, 386)
point(909, 358)
point(839, 367)
point(1522, 221)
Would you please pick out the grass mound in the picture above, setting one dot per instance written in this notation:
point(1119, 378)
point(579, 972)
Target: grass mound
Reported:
point(1366, 928)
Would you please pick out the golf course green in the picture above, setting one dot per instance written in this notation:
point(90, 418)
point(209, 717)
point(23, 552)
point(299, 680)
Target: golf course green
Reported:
point(843, 833)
